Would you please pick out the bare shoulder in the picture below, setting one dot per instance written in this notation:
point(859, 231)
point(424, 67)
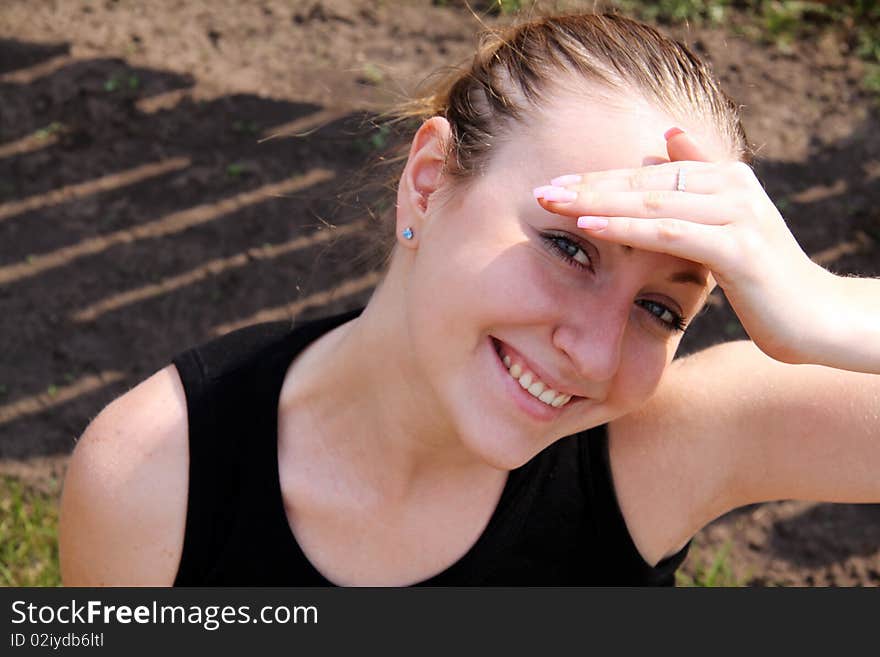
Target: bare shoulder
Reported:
point(670, 458)
point(123, 505)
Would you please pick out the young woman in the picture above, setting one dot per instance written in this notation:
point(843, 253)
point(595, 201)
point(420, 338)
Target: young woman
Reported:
point(505, 410)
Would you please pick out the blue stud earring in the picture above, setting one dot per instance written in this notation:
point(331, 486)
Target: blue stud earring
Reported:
point(407, 233)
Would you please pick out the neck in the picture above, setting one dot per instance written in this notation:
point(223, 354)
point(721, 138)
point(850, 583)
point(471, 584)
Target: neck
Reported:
point(373, 413)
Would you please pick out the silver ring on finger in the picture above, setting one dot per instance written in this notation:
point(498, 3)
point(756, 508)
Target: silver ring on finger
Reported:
point(679, 180)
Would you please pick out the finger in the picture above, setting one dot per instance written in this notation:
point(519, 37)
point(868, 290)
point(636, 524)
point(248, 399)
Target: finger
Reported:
point(682, 239)
point(680, 147)
point(701, 178)
point(655, 204)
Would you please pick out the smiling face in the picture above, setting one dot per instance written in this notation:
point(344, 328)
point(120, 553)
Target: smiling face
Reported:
point(496, 275)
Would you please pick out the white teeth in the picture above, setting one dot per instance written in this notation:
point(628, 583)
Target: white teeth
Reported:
point(533, 386)
point(547, 396)
point(560, 401)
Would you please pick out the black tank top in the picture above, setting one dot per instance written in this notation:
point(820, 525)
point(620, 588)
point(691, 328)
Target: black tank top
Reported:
point(557, 522)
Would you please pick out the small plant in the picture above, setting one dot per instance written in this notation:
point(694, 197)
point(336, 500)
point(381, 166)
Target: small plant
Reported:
point(377, 141)
point(372, 74)
point(508, 6)
point(733, 329)
point(119, 81)
point(871, 80)
point(869, 42)
point(52, 129)
point(717, 573)
point(235, 170)
point(245, 127)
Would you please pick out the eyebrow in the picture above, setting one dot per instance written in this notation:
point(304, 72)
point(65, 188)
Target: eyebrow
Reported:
point(686, 276)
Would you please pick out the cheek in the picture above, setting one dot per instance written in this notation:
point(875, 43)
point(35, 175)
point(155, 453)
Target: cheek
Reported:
point(449, 302)
point(641, 368)
point(491, 270)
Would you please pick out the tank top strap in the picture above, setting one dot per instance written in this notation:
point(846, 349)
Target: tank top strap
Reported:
point(232, 385)
point(222, 401)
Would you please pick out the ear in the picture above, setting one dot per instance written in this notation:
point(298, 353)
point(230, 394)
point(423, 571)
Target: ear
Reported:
point(422, 176)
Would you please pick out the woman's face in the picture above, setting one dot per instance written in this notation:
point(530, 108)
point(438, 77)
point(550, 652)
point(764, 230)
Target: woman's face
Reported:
point(494, 272)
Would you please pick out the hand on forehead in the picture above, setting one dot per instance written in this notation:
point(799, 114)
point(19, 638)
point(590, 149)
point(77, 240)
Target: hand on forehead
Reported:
point(597, 131)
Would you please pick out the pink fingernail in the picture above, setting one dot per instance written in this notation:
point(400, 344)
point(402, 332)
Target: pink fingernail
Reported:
point(567, 179)
point(539, 191)
point(559, 195)
point(592, 223)
point(672, 132)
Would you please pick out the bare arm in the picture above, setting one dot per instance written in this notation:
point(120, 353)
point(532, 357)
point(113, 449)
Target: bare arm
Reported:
point(851, 337)
point(123, 506)
point(804, 432)
point(730, 426)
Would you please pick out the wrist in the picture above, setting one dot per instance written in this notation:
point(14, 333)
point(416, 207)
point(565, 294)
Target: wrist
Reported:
point(850, 334)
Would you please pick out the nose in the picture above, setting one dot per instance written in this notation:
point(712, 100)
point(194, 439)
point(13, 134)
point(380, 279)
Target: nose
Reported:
point(592, 338)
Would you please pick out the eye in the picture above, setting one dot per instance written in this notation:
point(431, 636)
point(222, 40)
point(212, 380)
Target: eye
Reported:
point(571, 252)
point(666, 318)
point(567, 249)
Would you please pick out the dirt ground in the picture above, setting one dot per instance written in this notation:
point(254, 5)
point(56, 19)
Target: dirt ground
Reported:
point(142, 212)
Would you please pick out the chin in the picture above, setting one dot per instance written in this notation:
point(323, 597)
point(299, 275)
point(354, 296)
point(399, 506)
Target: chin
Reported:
point(501, 448)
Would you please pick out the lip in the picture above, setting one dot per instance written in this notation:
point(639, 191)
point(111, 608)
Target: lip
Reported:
point(515, 355)
point(533, 407)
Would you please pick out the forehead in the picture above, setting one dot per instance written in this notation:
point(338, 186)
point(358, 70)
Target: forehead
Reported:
point(594, 129)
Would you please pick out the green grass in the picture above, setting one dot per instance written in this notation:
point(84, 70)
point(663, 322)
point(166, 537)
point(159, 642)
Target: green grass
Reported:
point(716, 572)
point(677, 11)
point(855, 24)
point(28, 534)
